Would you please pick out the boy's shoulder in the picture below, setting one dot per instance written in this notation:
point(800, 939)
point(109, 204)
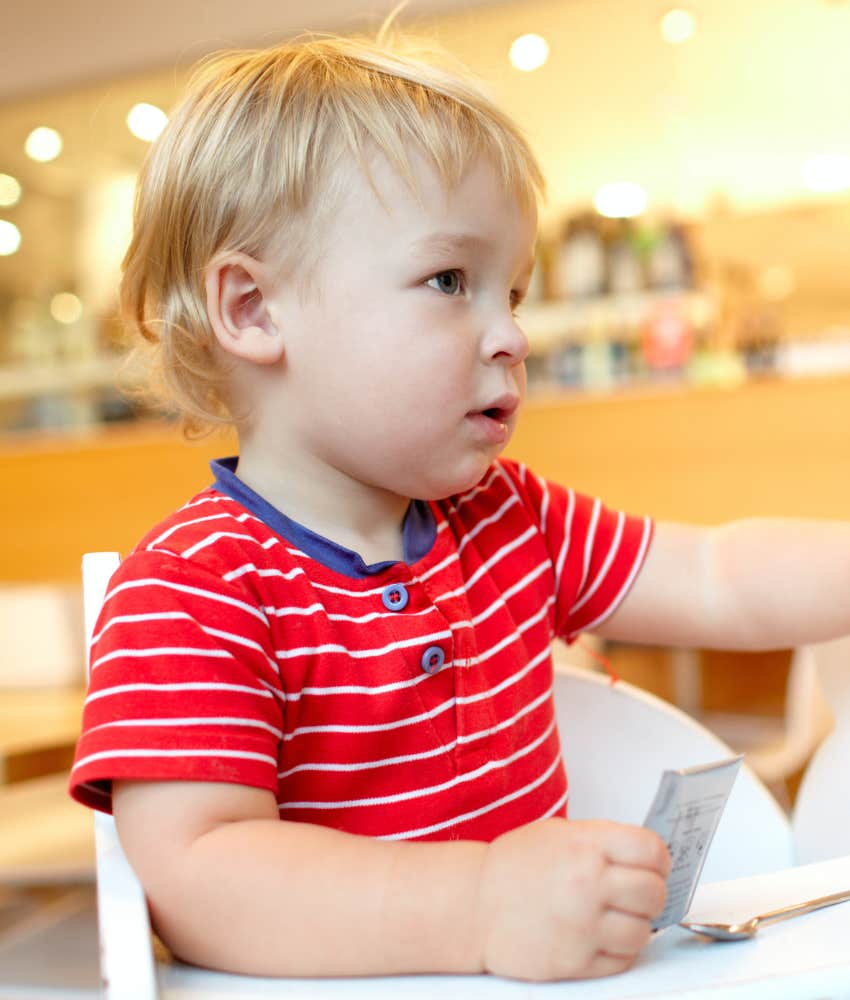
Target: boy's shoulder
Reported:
point(211, 531)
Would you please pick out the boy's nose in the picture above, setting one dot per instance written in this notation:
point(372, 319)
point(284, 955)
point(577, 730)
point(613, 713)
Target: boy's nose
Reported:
point(507, 342)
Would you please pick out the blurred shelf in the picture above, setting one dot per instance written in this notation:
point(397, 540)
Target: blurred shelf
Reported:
point(548, 324)
point(38, 730)
point(45, 837)
point(24, 381)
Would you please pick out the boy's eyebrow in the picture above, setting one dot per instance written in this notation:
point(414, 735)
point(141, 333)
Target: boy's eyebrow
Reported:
point(449, 242)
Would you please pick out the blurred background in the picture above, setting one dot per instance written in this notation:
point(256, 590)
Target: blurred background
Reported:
point(698, 161)
point(689, 316)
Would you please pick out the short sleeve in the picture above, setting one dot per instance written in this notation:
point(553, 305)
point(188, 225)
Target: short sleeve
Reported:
point(596, 551)
point(183, 683)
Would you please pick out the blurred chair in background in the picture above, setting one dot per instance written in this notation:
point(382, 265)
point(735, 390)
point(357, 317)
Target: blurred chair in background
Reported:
point(48, 921)
point(42, 629)
point(806, 722)
point(821, 816)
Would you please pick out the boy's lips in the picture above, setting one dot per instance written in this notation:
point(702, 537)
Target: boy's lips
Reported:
point(502, 408)
point(494, 421)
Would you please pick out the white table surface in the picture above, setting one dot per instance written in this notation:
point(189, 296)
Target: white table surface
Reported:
point(806, 957)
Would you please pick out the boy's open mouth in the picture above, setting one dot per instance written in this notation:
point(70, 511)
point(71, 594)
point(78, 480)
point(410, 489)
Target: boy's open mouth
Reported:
point(501, 410)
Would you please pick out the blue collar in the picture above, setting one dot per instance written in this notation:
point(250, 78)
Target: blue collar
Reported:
point(419, 528)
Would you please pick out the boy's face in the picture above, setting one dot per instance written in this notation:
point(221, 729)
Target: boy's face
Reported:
point(404, 362)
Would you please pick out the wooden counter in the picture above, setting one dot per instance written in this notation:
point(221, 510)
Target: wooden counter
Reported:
point(772, 447)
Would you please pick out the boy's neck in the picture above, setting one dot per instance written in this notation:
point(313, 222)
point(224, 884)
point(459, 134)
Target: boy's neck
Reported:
point(362, 518)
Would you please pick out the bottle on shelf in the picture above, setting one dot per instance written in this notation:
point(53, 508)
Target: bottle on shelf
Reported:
point(625, 270)
point(668, 340)
point(670, 262)
point(579, 262)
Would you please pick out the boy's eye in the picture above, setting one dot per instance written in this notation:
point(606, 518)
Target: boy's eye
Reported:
point(448, 282)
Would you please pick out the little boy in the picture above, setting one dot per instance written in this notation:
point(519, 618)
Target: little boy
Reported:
point(321, 692)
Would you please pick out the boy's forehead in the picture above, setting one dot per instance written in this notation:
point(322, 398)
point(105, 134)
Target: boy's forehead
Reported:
point(444, 209)
point(371, 211)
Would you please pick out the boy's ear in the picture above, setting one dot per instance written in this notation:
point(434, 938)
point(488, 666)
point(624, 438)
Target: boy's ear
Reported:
point(236, 286)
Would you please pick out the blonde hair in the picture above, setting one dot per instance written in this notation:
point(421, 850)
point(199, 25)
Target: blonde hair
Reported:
point(248, 157)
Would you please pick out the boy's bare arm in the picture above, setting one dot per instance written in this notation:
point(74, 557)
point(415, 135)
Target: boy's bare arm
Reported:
point(233, 887)
point(754, 584)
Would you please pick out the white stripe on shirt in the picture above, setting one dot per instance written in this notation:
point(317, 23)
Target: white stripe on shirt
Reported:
point(609, 559)
point(443, 786)
point(475, 813)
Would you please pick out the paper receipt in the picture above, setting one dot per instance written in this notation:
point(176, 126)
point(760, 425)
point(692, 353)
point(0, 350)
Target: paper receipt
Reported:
point(685, 812)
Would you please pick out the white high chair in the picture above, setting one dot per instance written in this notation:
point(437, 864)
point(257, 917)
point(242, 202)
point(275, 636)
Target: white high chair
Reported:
point(617, 740)
point(126, 952)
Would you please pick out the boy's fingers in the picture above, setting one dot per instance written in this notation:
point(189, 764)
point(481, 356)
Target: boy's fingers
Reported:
point(606, 965)
point(635, 891)
point(623, 935)
point(636, 847)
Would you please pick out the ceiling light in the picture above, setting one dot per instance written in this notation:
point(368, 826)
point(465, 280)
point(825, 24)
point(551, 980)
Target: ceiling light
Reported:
point(66, 308)
point(620, 200)
point(529, 52)
point(10, 238)
point(10, 191)
point(678, 25)
point(43, 144)
point(146, 121)
point(827, 173)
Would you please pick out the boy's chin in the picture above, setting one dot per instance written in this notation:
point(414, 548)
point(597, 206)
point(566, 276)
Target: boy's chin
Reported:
point(458, 484)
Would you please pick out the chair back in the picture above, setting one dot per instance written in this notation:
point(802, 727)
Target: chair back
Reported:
point(618, 739)
point(126, 955)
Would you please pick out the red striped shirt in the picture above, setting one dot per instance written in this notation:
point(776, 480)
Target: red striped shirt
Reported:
point(224, 652)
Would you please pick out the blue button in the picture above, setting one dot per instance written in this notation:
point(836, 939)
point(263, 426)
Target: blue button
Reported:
point(395, 597)
point(432, 659)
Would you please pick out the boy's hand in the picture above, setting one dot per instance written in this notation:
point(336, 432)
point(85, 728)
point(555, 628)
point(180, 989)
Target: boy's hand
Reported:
point(562, 900)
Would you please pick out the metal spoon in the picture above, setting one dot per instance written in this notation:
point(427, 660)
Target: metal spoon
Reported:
point(747, 928)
